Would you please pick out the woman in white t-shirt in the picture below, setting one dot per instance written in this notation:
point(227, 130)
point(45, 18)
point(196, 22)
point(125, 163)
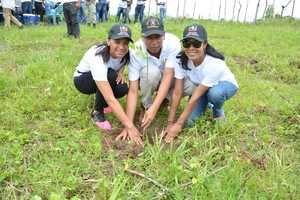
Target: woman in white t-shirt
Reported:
point(202, 74)
point(100, 72)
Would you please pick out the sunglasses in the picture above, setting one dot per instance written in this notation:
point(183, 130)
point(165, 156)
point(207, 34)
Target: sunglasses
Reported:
point(189, 43)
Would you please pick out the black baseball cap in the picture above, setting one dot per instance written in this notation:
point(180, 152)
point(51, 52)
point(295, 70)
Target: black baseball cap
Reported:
point(152, 26)
point(195, 31)
point(119, 31)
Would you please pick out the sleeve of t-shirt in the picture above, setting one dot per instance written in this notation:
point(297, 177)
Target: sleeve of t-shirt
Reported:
point(98, 68)
point(174, 50)
point(134, 67)
point(179, 71)
point(212, 74)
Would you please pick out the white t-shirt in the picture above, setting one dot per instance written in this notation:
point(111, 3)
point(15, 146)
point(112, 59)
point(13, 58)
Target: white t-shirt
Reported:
point(162, 3)
point(25, 1)
point(122, 4)
point(209, 73)
point(8, 4)
point(94, 64)
point(141, 57)
point(140, 2)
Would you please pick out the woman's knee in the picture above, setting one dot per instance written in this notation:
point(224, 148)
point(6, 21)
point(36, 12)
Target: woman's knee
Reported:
point(121, 90)
point(216, 95)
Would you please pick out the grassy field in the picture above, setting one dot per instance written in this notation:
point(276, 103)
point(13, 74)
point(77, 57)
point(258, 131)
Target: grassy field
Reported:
point(49, 148)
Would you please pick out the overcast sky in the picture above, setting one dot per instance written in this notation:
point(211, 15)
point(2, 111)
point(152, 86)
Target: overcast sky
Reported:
point(209, 9)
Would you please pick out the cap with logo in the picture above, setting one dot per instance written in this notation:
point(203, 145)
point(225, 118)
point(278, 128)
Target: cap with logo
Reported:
point(152, 26)
point(195, 31)
point(120, 31)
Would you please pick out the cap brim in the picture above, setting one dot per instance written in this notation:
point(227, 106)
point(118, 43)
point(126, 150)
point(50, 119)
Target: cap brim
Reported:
point(122, 37)
point(193, 37)
point(153, 32)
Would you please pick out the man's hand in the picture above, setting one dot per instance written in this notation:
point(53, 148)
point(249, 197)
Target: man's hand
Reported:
point(148, 117)
point(77, 4)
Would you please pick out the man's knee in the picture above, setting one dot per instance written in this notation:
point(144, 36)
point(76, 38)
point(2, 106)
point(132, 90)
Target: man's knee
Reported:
point(151, 76)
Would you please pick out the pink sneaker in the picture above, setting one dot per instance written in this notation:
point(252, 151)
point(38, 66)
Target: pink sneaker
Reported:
point(104, 125)
point(100, 121)
point(107, 110)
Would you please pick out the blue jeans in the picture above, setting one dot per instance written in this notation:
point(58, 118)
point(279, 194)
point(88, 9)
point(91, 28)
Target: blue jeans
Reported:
point(123, 12)
point(102, 12)
point(139, 13)
point(81, 17)
point(162, 15)
point(215, 98)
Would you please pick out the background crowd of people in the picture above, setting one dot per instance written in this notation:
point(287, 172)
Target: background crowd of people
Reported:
point(88, 12)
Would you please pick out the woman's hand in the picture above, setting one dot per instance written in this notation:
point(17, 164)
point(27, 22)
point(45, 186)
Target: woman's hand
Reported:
point(123, 135)
point(172, 131)
point(120, 78)
point(132, 134)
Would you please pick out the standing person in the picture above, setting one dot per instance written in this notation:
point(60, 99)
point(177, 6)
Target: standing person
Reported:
point(100, 72)
point(70, 9)
point(91, 12)
point(129, 3)
point(139, 11)
point(107, 9)
point(81, 14)
point(122, 10)
point(152, 71)
point(39, 8)
point(162, 4)
point(26, 6)
point(8, 6)
point(102, 10)
point(202, 74)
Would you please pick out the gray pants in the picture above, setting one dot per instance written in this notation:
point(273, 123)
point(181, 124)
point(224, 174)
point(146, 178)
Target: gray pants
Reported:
point(91, 12)
point(149, 83)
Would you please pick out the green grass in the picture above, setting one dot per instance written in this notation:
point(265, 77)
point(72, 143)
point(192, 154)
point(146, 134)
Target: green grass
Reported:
point(49, 149)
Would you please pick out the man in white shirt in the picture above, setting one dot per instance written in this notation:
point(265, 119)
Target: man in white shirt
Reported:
point(8, 6)
point(91, 12)
point(139, 11)
point(122, 10)
point(162, 4)
point(39, 8)
point(154, 68)
point(70, 8)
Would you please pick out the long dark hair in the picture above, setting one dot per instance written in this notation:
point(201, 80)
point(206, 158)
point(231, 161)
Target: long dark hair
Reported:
point(103, 50)
point(210, 50)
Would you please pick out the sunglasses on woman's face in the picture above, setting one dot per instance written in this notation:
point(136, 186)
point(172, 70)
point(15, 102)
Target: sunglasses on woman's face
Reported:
point(189, 43)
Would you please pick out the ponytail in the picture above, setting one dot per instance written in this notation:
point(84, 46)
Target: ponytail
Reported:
point(210, 50)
